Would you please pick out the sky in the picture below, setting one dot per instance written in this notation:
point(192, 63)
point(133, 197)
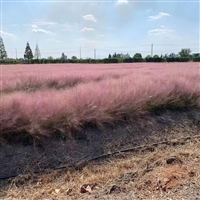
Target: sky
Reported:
point(76, 28)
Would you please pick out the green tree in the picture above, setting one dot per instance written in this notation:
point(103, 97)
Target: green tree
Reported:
point(149, 58)
point(156, 58)
point(28, 52)
point(74, 57)
point(166, 56)
point(172, 55)
point(50, 58)
point(184, 53)
point(62, 56)
point(3, 53)
point(109, 56)
point(137, 57)
point(196, 58)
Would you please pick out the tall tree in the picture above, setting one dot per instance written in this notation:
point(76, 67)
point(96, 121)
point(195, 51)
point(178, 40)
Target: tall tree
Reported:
point(114, 55)
point(137, 57)
point(3, 53)
point(37, 52)
point(74, 57)
point(28, 52)
point(63, 57)
point(185, 53)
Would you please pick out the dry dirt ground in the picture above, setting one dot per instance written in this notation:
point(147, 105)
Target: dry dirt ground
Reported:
point(169, 171)
point(165, 166)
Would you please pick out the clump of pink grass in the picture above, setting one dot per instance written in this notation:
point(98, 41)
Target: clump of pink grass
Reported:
point(143, 89)
point(26, 78)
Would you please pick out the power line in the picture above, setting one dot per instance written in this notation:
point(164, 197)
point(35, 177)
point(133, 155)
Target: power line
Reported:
point(105, 50)
point(113, 48)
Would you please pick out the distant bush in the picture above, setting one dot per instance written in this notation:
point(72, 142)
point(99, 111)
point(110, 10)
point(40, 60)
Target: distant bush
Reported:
point(184, 59)
point(172, 59)
point(10, 61)
point(156, 58)
point(128, 60)
point(196, 59)
point(138, 57)
point(112, 60)
point(149, 59)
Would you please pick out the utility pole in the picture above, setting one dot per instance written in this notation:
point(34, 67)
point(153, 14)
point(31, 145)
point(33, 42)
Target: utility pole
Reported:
point(80, 52)
point(151, 50)
point(94, 53)
point(16, 53)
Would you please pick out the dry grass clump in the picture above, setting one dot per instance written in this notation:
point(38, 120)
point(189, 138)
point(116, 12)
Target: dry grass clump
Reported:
point(148, 175)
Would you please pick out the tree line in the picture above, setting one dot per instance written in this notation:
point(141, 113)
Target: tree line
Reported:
point(183, 56)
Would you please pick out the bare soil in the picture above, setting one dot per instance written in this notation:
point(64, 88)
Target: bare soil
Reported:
point(150, 172)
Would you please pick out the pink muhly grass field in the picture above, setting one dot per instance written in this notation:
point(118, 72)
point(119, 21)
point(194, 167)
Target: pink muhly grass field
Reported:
point(37, 99)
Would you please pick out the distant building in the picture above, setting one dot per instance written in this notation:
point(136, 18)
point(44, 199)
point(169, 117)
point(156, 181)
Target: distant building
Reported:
point(173, 55)
point(123, 55)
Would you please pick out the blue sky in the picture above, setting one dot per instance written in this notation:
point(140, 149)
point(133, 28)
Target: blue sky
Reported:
point(108, 26)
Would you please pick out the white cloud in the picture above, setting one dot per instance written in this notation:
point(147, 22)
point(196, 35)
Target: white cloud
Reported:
point(158, 16)
point(160, 31)
point(43, 23)
point(8, 35)
point(87, 29)
point(39, 30)
point(56, 41)
point(39, 23)
point(34, 26)
point(37, 26)
point(89, 18)
point(122, 1)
